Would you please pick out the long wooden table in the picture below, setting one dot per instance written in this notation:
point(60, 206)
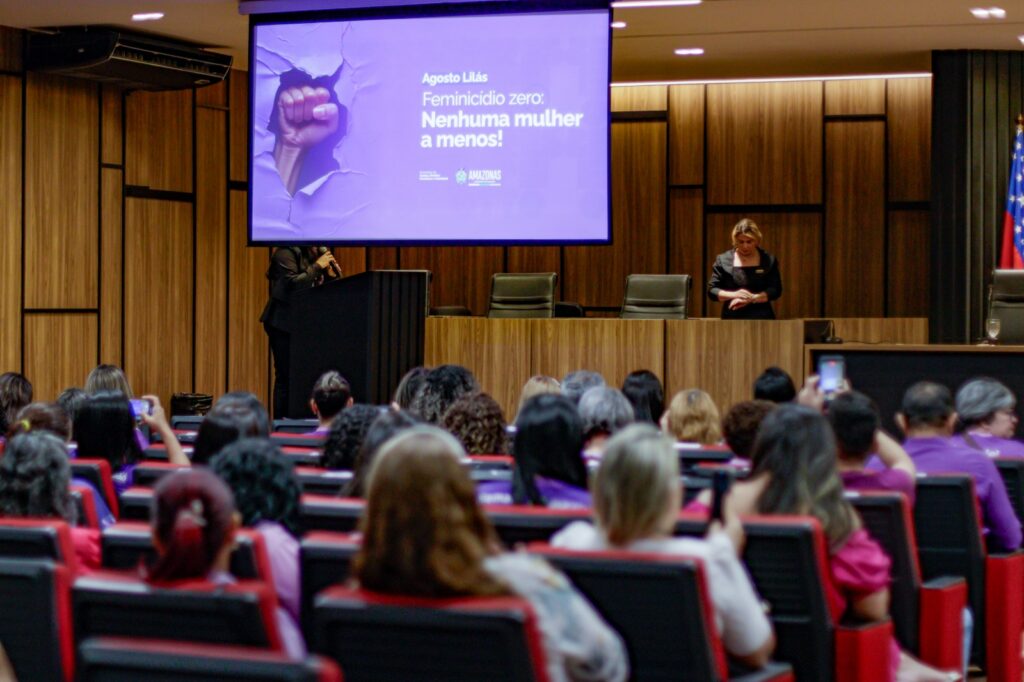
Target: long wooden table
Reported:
point(721, 356)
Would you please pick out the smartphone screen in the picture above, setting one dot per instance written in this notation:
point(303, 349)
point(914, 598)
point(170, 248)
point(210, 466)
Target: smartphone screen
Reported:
point(140, 407)
point(831, 373)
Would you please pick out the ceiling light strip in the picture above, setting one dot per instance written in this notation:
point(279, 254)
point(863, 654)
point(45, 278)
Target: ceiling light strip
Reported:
point(780, 79)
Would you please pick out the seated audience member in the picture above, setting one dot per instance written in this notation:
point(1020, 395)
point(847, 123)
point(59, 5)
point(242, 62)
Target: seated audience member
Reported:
point(385, 427)
point(692, 417)
point(49, 417)
point(34, 479)
point(795, 473)
point(441, 387)
point(927, 417)
point(605, 411)
point(575, 384)
point(549, 467)
point(108, 378)
point(70, 400)
point(644, 392)
point(105, 429)
point(331, 395)
point(636, 501)
point(15, 393)
point(856, 424)
point(234, 416)
point(774, 385)
point(408, 387)
point(267, 497)
point(477, 422)
point(987, 412)
point(536, 385)
point(194, 523)
point(424, 536)
point(346, 436)
point(739, 427)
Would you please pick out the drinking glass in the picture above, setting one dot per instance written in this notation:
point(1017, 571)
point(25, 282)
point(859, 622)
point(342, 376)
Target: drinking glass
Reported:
point(992, 327)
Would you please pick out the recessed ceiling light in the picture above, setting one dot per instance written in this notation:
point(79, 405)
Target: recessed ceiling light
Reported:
point(147, 16)
point(690, 51)
point(655, 3)
point(618, 24)
point(988, 12)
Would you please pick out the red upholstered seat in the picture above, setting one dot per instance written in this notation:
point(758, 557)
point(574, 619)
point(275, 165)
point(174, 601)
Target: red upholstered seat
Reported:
point(36, 626)
point(97, 472)
point(27, 538)
point(84, 498)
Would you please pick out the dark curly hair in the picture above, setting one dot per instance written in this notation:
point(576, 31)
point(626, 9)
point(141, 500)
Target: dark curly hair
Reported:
point(476, 420)
point(15, 393)
point(346, 436)
point(383, 429)
point(442, 387)
point(34, 478)
point(262, 481)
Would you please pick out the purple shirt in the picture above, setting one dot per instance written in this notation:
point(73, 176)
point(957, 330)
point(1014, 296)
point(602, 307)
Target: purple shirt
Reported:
point(887, 480)
point(102, 510)
point(558, 494)
point(283, 551)
point(993, 446)
point(947, 455)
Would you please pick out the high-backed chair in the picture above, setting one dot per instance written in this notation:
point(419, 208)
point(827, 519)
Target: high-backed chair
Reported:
point(656, 297)
point(517, 524)
point(98, 473)
point(326, 560)
point(382, 638)
point(84, 499)
point(136, 504)
point(523, 294)
point(38, 539)
point(296, 425)
point(148, 474)
point(320, 512)
point(113, 659)
point(1006, 304)
point(1011, 469)
point(36, 625)
point(319, 481)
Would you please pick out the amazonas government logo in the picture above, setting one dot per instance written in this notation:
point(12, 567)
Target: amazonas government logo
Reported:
point(461, 176)
point(478, 178)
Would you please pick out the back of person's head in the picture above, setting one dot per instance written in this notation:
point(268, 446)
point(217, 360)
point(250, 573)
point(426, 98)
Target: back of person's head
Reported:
point(331, 394)
point(548, 442)
point(385, 427)
point(693, 417)
point(262, 482)
point(604, 411)
point(477, 421)
point(636, 488)
point(774, 385)
point(796, 450)
point(575, 384)
point(247, 400)
point(346, 437)
point(536, 385)
point(49, 417)
point(740, 424)
point(927, 405)
point(423, 533)
point(193, 520)
point(854, 418)
point(107, 379)
point(644, 392)
point(409, 386)
point(15, 393)
point(105, 428)
point(978, 401)
point(233, 417)
point(34, 478)
point(71, 399)
point(441, 387)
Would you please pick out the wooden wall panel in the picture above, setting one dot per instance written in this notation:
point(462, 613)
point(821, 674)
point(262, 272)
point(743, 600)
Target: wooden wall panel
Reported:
point(907, 283)
point(855, 98)
point(909, 106)
point(795, 239)
point(60, 351)
point(238, 100)
point(855, 219)
point(882, 329)
point(158, 279)
point(535, 259)
point(213, 95)
point(112, 131)
point(640, 98)
point(596, 275)
point(10, 48)
point(686, 243)
point(111, 270)
point(462, 275)
point(383, 258)
point(10, 222)
point(159, 140)
point(351, 259)
point(61, 227)
point(248, 348)
point(764, 143)
point(686, 134)
point(211, 250)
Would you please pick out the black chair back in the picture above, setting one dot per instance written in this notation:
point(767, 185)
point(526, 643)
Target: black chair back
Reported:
point(656, 297)
point(35, 629)
point(317, 512)
point(186, 422)
point(325, 560)
point(317, 481)
point(296, 425)
point(1011, 469)
point(98, 473)
point(523, 524)
point(36, 539)
point(126, 545)
point(136, 504)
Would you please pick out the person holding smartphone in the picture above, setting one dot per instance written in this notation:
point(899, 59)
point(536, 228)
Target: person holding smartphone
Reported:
point(746, 278)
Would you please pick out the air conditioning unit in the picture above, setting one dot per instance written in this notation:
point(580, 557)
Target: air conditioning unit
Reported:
point(135, 61)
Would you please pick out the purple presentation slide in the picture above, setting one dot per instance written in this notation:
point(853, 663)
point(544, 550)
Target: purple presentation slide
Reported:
point(458, 128)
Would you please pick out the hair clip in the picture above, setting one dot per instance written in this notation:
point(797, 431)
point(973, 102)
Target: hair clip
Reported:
point(26, 424)
point(193, 513)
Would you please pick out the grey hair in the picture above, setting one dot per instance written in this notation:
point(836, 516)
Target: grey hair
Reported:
point(575, 384)
point(979, 399)
point(605, 409)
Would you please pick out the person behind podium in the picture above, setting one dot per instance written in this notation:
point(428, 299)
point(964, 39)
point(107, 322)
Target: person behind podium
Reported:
point(746, 277)
point(292, 268)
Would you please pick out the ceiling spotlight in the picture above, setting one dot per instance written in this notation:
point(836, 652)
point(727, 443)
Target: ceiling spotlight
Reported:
point(988, 12)
point(655, 3)
point(618, 24)
point(148, 16)
point(690, 51)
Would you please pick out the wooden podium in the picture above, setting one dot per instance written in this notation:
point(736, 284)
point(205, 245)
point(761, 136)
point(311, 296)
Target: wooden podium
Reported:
point(369, 327)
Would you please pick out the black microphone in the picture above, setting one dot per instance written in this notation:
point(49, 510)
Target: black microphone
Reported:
point(335, 268)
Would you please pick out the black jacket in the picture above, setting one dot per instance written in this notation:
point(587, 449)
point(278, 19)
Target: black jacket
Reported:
point(291, 270)
point(756, 279)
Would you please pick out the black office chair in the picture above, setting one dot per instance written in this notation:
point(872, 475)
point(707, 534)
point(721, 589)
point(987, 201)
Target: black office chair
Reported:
point(515, 295)
point(1006, 304)
point(656, 297)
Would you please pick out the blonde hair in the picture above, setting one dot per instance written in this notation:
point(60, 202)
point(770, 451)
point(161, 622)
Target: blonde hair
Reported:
point(538, 384)
point(747, 227)
point(636, 486)
point(107, 378)
point(694, 418)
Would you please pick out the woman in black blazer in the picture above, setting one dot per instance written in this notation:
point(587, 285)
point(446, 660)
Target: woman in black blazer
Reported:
point(745, 278)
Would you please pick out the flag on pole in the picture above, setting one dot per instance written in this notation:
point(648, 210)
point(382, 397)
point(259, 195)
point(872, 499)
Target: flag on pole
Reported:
point(1012, 254)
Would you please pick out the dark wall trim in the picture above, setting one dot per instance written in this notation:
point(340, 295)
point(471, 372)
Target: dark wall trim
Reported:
point(908, 206)
point(764, 208)
point(855, 117)
point(618, 116)
point(238, 185)
point(62, 311)
point(111, 166)
point(140, 192)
